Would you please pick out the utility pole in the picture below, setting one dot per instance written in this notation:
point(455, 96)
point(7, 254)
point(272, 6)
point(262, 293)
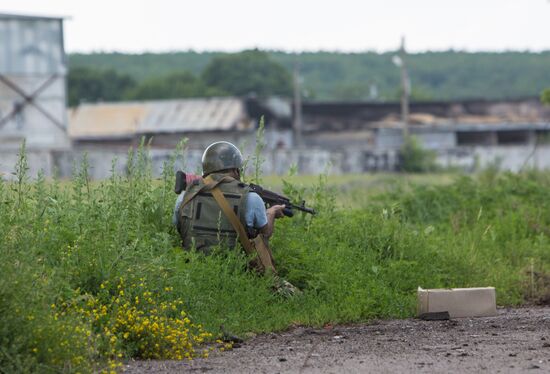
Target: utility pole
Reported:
point(400, 61)
point(297, 123)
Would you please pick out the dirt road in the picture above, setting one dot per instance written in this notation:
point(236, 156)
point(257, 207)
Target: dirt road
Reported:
point(517, 340)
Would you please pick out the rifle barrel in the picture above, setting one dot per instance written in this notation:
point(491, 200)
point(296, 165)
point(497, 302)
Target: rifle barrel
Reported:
point(303, 208)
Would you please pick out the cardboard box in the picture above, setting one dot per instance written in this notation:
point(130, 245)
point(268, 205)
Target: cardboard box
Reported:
point(459, 302)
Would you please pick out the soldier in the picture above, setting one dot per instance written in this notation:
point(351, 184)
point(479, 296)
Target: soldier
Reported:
point(219, 208)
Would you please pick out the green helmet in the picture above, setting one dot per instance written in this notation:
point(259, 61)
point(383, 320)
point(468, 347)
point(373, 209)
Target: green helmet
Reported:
point(221, 156)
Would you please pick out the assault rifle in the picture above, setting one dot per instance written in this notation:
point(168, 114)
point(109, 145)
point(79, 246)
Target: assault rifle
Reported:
point(269, 197)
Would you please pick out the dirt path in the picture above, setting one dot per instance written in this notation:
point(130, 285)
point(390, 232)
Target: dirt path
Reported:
point(517, 340)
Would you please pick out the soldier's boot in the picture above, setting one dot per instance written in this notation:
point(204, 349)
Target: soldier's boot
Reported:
point(285, 288)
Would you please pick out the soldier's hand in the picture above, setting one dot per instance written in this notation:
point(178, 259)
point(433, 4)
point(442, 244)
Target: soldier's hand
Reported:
point(276, 211)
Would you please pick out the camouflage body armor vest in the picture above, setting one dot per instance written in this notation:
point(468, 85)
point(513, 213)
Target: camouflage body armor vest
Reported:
point(202, 222)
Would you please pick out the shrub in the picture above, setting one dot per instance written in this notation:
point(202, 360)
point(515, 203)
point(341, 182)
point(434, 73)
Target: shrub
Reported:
point(415, 159)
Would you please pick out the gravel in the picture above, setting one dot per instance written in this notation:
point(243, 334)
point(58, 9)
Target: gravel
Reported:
point(517, 340)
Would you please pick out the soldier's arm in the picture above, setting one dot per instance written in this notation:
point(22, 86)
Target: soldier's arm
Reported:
point(275, 211)
point(260, 218)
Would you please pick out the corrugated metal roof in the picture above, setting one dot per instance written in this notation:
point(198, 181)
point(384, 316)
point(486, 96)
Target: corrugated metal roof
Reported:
point(193, 115)
point(100, 121)
point(123, 120)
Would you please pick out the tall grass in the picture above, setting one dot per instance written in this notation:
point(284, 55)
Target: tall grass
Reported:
point(77, 259)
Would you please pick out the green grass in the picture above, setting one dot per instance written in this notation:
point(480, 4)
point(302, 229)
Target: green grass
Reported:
point(354, 190)
point(361, 257)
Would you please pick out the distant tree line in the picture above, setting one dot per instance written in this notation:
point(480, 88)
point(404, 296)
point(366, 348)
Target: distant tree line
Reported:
point(326, 76)
point(246, 73)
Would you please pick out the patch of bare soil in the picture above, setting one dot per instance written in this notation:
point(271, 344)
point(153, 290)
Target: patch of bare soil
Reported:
point(517, 340)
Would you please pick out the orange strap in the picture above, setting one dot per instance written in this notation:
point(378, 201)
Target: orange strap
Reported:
point(235, 222)
point(260, 247)
point(209, 184)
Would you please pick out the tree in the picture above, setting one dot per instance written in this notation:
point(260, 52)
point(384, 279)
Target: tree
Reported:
point(248, 72)
point(545, 96)
point(89, 84)
point(172, 86)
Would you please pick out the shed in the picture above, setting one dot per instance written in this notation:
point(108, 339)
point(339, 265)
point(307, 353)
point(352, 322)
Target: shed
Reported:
point(164, 122)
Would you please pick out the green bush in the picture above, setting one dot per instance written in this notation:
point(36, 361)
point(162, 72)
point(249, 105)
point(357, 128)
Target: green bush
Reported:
point(415, 159)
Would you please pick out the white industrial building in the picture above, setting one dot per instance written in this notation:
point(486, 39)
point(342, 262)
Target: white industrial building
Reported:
point(33, 90)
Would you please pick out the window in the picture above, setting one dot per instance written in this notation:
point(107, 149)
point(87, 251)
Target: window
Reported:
point(513, 137)
point(474, 138)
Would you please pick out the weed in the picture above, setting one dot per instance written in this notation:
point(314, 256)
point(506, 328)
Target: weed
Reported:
point(258, 150)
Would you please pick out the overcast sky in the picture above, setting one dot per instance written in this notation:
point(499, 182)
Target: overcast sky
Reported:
point(296, 25)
